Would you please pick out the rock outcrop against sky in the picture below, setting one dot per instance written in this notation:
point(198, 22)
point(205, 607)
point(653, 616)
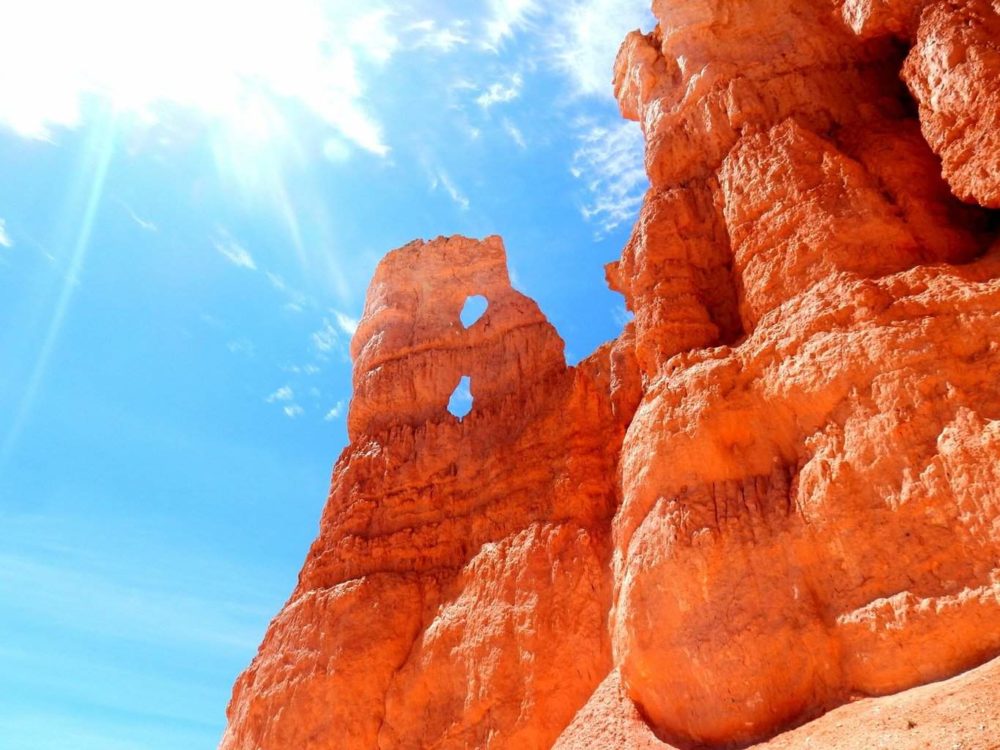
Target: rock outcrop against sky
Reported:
point(775, 494)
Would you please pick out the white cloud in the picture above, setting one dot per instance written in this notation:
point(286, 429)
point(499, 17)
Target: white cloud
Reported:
point(325, 338)
point(285, 396)
point(610, 163)
point(441, 179)
point(144, 224)
point(428, 34)
point(276, 281)
point(501, 93)
point(370, 34)
point(285, 393)
point(346, 323)
point(238, 64)
point(5, 240)
point(586, 37)
point(234, 252)
point(515, 133)
point(506, 17)
point(309, 369)
point(336, 412)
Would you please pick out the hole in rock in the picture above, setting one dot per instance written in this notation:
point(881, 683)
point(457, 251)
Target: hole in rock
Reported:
point(460, 403)
point(473, 309)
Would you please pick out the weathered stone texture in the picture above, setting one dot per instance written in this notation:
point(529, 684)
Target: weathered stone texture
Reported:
point(776, 493)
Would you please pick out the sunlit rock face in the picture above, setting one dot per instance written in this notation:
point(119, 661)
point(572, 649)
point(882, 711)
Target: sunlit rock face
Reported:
point(777, 492)
point(457, 595)
point(810, 508)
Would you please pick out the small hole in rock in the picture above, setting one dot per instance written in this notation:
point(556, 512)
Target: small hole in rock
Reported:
point(460, 403)
point(473, 309)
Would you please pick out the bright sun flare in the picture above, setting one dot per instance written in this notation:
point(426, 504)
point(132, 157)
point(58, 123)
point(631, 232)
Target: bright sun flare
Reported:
point(233, 62)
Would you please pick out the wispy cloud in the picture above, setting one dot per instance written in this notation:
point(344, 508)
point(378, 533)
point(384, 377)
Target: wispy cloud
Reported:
point(505, 18)
point(346, 323)
point(5, 240)
point(586, 36)
point(286, 397)
point(501, 92)
point(370, 34)
point(336, 412)
point(325, 339)
point(285, 393)
point(234, 252)
point(515, 133)
point(441, 179)
point(142, 223)
point(309, 369)
point(609, 162)
point(429, 34)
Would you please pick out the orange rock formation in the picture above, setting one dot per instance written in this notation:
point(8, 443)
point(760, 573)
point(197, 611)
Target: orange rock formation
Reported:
point(776, 493)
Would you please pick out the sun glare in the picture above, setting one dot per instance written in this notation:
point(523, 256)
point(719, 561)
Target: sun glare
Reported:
point(232, 62)
point(245, 73)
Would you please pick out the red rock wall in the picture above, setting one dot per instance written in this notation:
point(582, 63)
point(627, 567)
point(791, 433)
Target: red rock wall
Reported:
point(777, 491)
point(457, 595)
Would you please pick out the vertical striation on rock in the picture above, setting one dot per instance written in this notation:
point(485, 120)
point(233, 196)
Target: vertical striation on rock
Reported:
point(457, 595)
point(776, 492)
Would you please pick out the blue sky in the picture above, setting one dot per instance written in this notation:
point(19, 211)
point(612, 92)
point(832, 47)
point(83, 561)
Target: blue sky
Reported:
point(195, 195)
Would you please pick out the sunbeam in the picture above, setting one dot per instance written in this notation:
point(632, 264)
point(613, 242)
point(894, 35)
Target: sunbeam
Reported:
point(96, 161)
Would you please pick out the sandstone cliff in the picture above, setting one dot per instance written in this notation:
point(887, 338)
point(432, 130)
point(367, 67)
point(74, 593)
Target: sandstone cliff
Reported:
point(776, 493)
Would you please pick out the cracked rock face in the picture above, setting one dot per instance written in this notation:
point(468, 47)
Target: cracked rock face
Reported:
point(778, 491)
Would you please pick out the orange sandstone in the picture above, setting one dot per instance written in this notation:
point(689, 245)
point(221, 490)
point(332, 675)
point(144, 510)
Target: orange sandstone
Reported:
point(776, 493)
point(457, 595)
point(953, 71)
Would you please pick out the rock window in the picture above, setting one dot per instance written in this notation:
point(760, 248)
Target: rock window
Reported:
point(473, 309)
point(460, 403)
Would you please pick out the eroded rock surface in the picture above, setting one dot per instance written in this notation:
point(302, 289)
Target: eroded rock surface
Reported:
point(953, 71)
point(776, 493)
point(457, 595)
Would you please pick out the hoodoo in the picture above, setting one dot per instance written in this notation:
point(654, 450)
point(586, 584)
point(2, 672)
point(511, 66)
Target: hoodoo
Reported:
point(769, 511)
